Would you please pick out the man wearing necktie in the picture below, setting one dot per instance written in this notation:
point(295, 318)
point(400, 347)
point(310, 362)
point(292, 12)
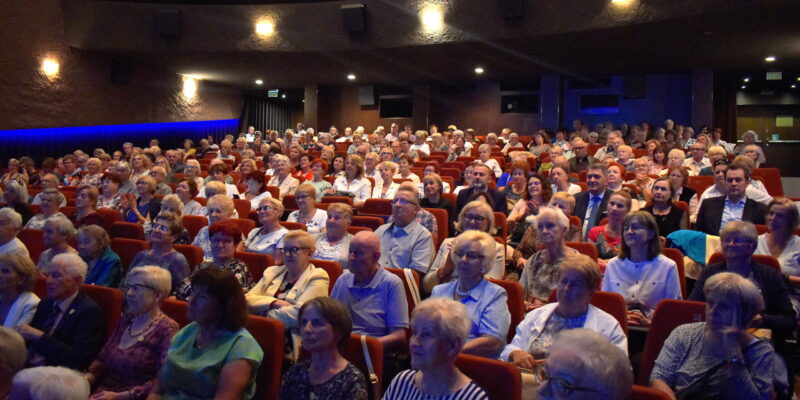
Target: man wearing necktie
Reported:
point(591, 205)
point(404, 242)
point(68, 328)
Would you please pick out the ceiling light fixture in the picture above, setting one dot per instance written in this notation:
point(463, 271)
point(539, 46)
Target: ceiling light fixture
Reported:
point(770, 59)
point(479, 70)
point(794, 86)
point(432, 19)
point(746, 80)
point(283, 96)
point(351, 77)
point(744, 87)
point(50, 68)
point(189, 86)
point(259, 82)
point(265, 28)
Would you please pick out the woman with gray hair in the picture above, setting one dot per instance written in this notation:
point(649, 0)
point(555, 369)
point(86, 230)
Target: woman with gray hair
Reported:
point(49, 181)
point(129, 362)
point(104, 266)
point(49, 201)
point(584, 365)
point(334, 243)
point(718, 358)
point(17, 301)
point(473, 252)
point(45, 383)
point(267, 239)
point(439, 332)
point(282, 178)
point(477, 216)
point(166, 229)
point(15, 196)
point(749, 139)
point(58, 232)
point(10, 224)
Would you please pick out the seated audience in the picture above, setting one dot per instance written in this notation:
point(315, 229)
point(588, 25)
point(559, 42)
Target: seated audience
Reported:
point(374, 297)
point(166, 228)
point(591, 205)
point(669, 217)
point(716, 212)
point(17, 300)
point(49, 201)
point(475, 216)
point(256, 188)
point(46, 383)
point(782, 243)
point(131, 358)
point(559, 181)
point(140, 209)
point(109, 192)
point(333, 243)
point(15, 196)
point(336, 168)
point(50, 181)
point(282, 177)
point(480, 184)
point(186, 190)
point(486, 302)
point(214, 356)
point(68, 327)
point(307, 213)
point(578, 278)
point(10, 224)
point(440, 329)
point(219, 208)
point(608, 237)
point(57, 234)
point(353, 181)
point(517, 187)
point(719, 358)
point(529, 243)
point(405, 243)
point(319, 168)
point(268, 238)
point(141, 165)
point(537, 194)
point(584, 364)
point(386, 187)
point(641, 274)
point(219, 173)
point(193, 172)
point(325, 327)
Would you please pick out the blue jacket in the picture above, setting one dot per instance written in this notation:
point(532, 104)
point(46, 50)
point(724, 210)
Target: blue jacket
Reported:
point(107, 271)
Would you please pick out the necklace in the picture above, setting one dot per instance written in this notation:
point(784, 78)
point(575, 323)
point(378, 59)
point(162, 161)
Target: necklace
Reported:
point(140, 335)
point(462, 293)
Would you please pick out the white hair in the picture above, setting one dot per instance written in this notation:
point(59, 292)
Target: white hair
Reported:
point(48, 383)
point(599, 364)
point(450, 317)
point(19, 189)
point(561, 219)
point(13, 217)
point(153, 276)
point(73, 264)
point(62, 225)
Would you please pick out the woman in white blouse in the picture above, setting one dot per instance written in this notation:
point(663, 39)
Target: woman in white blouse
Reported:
point(282, 179)
point(268, 238)
point(485, 153)
point(641, 274)
point(353, 181)
point(17, 301)
point(404, 164)
point(314, 218)
point(782, 243)
point(386, 188)
point(334, 243)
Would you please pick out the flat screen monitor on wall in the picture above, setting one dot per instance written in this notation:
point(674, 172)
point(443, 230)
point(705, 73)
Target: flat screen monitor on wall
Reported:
point(598, 104)
point(396, 107)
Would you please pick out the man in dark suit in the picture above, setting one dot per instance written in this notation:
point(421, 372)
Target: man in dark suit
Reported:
point(596, 197)
point(480, 183)
point(716, 212)
point(68, 328)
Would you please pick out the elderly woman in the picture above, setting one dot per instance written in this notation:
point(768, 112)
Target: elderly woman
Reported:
point(353, 181)
point(578, 278)
point(537, 195)
point(268, 238)
point(540, 272)
point(615, 176)
point(186, 190)
point(584, 364)
point(219, 208)
point(129, 362)
point(219, 173)
point(333, 244)
point(49, 181)
point(57, 233)
point(484, 154)
point(386, 187)
point(14, 172)
point(782, 243)
point(109, 192)
point(244, 168)
point(641, 274)
point(540, 144)
point(214, 356)
point(668, 217)
point(17, 300)
point(192, 171)
point(282, 179)
point(642, 179)
point(319, 168)
point(105, 267)
point(94, 169)
point(404, 164)
point(166, 229)
point(473, 252)
point(475, 216)
point(49, 201)
point(225, 237)
point(440, 329)
point(749, 139)
point(529, 243)
point(517, 187)
point(314, 218)
point(141, 166)
point(15, 196)
point(144, 208)
point(719, 358)
point(608, 237)
point(304, 172)
point(284, 288)
point(559, 181)
point(172, 203)
point(256, 188)
point(325, 327)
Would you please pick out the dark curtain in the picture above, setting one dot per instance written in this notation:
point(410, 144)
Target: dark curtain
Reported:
point(725, 84)
point(266, 114)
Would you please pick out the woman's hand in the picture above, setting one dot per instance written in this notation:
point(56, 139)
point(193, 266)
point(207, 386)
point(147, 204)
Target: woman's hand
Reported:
point(330, 191)
point(637, 318)
point(732, 342)
point(531, 208)
point(522, 359)
point(533, 304)
point(279, 304)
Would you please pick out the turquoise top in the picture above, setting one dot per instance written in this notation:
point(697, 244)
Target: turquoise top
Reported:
point(193, 373)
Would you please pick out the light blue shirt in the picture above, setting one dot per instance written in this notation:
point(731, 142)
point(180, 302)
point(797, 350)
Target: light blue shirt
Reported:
point(376, 308)
point(407, 247)
point(487, 305)
point(732, 211)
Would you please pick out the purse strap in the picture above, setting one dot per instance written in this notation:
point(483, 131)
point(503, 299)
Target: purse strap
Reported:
point(412, 285)
point(373, 378)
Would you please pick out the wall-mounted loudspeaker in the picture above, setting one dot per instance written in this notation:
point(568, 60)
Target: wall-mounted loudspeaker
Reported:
point(512, 8)
point(366, 95)
point(354, 17)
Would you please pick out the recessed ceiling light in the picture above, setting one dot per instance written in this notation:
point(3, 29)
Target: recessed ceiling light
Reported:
point(794, 86)
point(351, 77)
point(770, 59)
point(283, 96)
point(744, 87)
point(479, 70)
point(798, 78)
point(259, 82)
point(746, 80)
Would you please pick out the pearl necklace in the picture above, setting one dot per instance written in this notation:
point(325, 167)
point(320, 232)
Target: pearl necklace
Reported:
point(461, 293)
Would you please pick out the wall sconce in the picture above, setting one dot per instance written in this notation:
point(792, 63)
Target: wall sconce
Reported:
point(432, 19)
point(50, 68)
point(265, 28)
point(189, 86)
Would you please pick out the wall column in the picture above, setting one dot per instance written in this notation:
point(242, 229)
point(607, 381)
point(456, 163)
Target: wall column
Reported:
point(549, 101)
point(311, 105)
point(421, 103)
point(702, 98)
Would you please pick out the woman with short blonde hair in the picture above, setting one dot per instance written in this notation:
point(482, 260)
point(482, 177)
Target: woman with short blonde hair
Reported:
point(16, 296)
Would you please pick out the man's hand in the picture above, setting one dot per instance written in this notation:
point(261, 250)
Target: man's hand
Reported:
point(28, 332)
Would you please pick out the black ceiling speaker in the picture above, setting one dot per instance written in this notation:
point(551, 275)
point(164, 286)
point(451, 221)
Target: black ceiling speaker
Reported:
point(512, 8)
point(354, 17)
point(167, 23)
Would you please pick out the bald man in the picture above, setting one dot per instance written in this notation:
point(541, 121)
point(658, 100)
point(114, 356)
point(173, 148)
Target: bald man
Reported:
point(374, 297)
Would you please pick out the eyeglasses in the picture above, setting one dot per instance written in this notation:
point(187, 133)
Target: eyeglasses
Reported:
point(560, 387)
point(292, 250)
point(264, 209)
point(471, 257)
point(737, 240)
point(474, 217)
point(162, 228)
point(401, 202)
point(136, 287)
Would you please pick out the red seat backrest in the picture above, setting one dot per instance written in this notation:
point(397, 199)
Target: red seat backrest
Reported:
point(33, 240)
point(367, 221)
point(771, 178)
point(127, 249)
point(269, 333)
point(353, 352)
point(333, 268)
point(193, 254)
point(109, 300)
point(256, 263)
point(767, 260)
point(677, 256)
point(586, 248)
point(128, 230)
point(516, 303)
point(500, 379)
point(194, 223)
point(647, 393)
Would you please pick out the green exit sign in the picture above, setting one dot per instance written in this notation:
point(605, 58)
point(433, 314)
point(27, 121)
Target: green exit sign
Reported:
point(774, 76)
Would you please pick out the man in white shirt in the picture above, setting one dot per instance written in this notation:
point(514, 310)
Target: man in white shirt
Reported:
point(698, 159)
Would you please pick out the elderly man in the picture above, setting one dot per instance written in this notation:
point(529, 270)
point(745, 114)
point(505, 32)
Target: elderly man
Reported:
point(404, 242)
point(370, 167)
point(123, 171)
point(160, 175)
point(68, 328)
point(698, 160)
point(10, 224)
point(480, 183)
point(590, 206)
point(374, 297)
point(424, 217)
point(716, 212)
point(580, 161)
point(175, 161)
point(610, 149)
